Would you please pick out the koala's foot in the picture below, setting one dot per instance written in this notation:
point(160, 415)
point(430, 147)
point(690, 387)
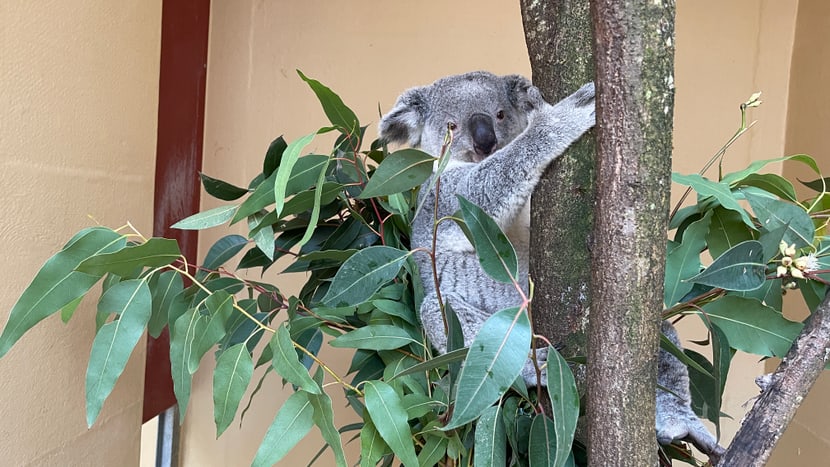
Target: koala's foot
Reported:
point(683, 425)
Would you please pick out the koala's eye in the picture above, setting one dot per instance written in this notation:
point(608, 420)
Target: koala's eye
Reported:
point(452, 126)
point(500, 114)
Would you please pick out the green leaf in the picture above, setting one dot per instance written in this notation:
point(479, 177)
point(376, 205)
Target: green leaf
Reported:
point(703, 388)
point(223, 250)
point(400, 171)
point(234, 369)
point(375, 337)
point(324, 419)
point(542, 449)
point(436, 362)
point(490, 439)
point(564, 399)
point(220, 189)
point(181, 343)
point(164, 289)
point(773, 213)
point(719, 190)
point(372, 446)
point(262, 196)
point(115, 341)
point(293, 421)
point(683, 261)
point(771, 183)
point(273, 156)
point(57, 284)
point(495, 253)
point(155, 252)
point(307, 200)
point(820, 184)
point(740, 268)
point(209, 328)
point(363, 274)
point(725, 231)
point(337, 112)
point(206, 219)
point(752, 327)
point(735, 177)
point(263, 236)
point(390, 419)
point(287, 364)
point(434, 450)
point(69, 310)
point(306, 173)
point(283, 173)
point(494, 361)
point(315, 210)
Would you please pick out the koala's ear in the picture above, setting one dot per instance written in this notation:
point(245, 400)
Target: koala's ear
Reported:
point(405, 122)
point(517, 87)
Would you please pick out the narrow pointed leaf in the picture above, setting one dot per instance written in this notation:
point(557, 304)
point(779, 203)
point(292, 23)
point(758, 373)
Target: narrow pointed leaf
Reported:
point(752, 327)
point(494, 361)
point(57, 284)
point(220, 189)
point(741, 268)
point(292, 423)
point(115, 341)
point(324, 419)
point(400, 171)
point(490, 439)
point(372, 445)
point(363, 274)
point(772, 183)
point(683, 261)
point(287, 364)
point(168, 285)
point(206, 219)
point(375, 337)
point(434, 450)
point(390, 419)
point(725, 231)
point(209, 328)
point(262, 196)
point(315, 210)
point(273, 156)
point(773, 214)
point(495, 253)
point(223, 250)
point(283, 173)
point(233, 372)
point(337, 112)
point(564, 400)
point(181, 344)
point(719, 190)
point(153, 253)
point(733, 178)
point(542, 448)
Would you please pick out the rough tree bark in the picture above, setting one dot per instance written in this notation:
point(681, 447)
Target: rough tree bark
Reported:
point(634, 50)
point(765, 423)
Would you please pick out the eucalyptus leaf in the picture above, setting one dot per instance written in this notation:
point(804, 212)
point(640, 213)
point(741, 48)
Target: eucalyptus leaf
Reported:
point(273, 156)
point(752, 327)
point(209, 328)
point(400, 171)
point(233, 372)
point(155, 252)
point(363, 274)
point(542, 449)
point(494, 361)
point(220, 189)
point(564, 399)
point(773, 214)
point(293, 421)
point(493, 248)
point(741, 268)
point(164, 290)
point(287, 364)
point(725, 231)
point(223, 250)
point(115, 341)
point(683, 261)
point(207, 219)
point(57, 284)
point(324, 419)
point(718, 190)
point(389, 417)
point(339, 115)
point(375, 337)
point(490, 439)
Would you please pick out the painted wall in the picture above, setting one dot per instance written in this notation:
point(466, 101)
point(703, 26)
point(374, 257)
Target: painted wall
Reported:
point(369, 51)
point(78, 93)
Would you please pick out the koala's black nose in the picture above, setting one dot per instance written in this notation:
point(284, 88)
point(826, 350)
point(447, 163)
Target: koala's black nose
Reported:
point(483, 133)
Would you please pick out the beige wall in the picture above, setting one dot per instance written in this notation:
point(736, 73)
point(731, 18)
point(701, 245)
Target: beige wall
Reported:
point(78, 93)
point(369, 51)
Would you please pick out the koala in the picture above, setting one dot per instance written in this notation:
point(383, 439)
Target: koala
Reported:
point(504, 136)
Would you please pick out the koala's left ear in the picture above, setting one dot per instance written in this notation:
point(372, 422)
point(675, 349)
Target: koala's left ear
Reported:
point(405, 122)
point(517, 87)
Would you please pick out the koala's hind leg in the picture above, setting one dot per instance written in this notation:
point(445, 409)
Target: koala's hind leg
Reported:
point(675, 418)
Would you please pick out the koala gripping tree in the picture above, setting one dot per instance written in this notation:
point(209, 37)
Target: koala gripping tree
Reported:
point(633, 46)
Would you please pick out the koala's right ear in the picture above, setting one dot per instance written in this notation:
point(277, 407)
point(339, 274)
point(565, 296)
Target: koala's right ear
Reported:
point(405, 122)
point(517, 89)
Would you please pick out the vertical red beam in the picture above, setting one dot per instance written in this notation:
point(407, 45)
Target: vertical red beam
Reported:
point(181, 116)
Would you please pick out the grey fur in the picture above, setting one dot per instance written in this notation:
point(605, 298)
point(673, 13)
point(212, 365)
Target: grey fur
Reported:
point(529, 134)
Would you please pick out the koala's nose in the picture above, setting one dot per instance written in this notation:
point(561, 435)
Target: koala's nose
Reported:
point(483, 134)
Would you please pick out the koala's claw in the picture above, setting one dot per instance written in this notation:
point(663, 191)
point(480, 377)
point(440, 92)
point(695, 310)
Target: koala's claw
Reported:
point(687, 427)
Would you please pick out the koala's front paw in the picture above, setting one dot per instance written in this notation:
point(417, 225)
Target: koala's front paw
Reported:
point(584, 96)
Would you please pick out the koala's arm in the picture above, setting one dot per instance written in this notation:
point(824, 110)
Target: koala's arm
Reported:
point(504, 181)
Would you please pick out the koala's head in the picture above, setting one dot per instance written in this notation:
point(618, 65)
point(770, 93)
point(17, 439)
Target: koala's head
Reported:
point(484, 112)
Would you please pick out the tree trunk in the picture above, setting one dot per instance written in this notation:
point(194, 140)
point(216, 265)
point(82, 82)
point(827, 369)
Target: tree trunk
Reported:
point(559, 42)
point(634, 47)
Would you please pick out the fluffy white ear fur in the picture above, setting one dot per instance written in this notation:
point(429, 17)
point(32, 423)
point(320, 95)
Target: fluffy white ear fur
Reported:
point(405, 122)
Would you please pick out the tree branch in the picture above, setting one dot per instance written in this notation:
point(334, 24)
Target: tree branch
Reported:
point(763, 426)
